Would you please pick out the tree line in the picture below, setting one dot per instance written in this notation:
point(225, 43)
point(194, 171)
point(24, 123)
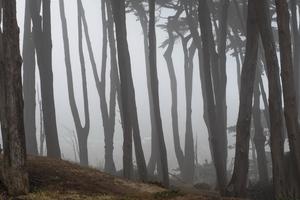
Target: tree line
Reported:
point(250, 32)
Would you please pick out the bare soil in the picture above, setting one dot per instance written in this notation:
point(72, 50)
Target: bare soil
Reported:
point(63, 180)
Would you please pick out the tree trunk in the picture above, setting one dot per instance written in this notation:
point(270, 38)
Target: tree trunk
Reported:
point(82, 131)
point(214, 93)
point(193, 26)
point(140, 158)
point(42, 132)
point(221, 95)
point(115, 89)
point(259, 138)
point(155, 93)
point(43, 45)
point(29, 84)
point(287, 76)
point(189, 155)
point(275, 103)
point(189, 136)
point(129, 112)
point(142, 14)
point(14, 160)
point(238, 183)
point(174, 106)
point(296, 50)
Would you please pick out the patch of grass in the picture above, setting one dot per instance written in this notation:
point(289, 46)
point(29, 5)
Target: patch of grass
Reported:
point(57, 195)
point(167, 194)
point(156, 183)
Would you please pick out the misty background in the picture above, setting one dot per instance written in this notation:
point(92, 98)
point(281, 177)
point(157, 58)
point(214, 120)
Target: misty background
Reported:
point(65, 123)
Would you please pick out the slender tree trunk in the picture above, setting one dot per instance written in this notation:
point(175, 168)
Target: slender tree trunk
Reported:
point(29, 84)
point(193, 26)
point(287, 76)
point(189, 136)
point(275, 102)
point(259, 138)
point(140, 158)
point(42, 132)
point(82, 131)
point(43, 45)
point(129, 111)
point(238, 183)
point(296, 50)
point(189, 156)
point(155, 93)
point(131, 103)
point(3, 122)
point(213, 92)
point(115, 86)
point(221, 97)
point(154, 157)
point(14, 160)
point(174, 106)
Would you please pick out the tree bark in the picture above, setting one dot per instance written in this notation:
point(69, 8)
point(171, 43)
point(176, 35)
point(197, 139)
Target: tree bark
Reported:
point(275, 102)
point(129, 112)
point(259, 137)
point(82, 131)
point(296, 49)
point(29, 84)
point(189, 163)
point(174, 107)
point(155, 93)
point(238, 183)
point(214, 94)
point(189, 155)
point(43, 45)
point(193, 27)
point(288, 84)
point(14, 160)
point(154, 157)
point(115, 88)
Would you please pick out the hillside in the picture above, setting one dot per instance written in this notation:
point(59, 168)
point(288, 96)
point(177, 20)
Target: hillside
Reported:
point(62, 180)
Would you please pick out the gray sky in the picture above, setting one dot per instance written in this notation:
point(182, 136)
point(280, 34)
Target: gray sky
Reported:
point(135, 40)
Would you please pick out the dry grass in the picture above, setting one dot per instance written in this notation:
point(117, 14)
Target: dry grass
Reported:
point(62, 180)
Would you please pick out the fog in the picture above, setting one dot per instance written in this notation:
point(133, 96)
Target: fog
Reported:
point(135, 39)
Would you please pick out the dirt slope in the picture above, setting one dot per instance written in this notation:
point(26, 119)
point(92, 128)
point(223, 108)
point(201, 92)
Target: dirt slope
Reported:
point(62, 180)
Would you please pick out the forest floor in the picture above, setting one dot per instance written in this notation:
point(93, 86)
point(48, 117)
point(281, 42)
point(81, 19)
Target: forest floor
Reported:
point(63, 180)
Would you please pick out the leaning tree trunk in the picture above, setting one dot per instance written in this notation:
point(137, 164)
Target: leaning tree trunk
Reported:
point(287, 76)
point(82, 131)
point(155, 93)
point(14, 173)
point(2, 82)
point(131, 103)
point(259, 137)
point(108, 113)
point(296, 49)
point(115, 85)
point(213, 92)
point(29, 84)
point(193, 27)
point(189, 151)
point(129, 112)
point(189, 154)
point(154, 157)
point(174, 109)
point(189, 163)
point(43, 44)
point(221, 95)
point(238, 183)
point(275, 102)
